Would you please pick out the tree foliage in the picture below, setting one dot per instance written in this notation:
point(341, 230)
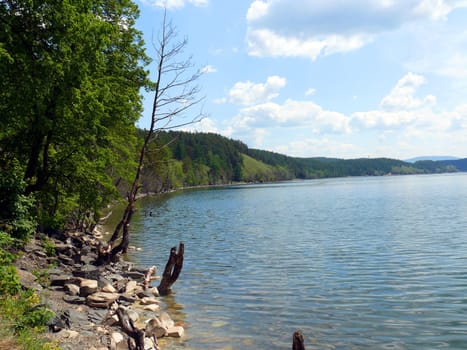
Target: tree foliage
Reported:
point(71, 73)
point(210, 159)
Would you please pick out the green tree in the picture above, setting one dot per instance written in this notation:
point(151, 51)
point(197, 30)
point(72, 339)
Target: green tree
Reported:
point(71, 73)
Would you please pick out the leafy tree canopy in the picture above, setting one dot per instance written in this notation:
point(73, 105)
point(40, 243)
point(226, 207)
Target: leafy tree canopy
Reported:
point(71, 73)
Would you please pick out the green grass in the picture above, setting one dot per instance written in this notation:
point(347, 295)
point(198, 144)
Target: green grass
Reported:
point(256, 171)
point(23, 319)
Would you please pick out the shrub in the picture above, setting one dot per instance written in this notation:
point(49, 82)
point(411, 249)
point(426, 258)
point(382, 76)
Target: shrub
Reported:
point(16, 208)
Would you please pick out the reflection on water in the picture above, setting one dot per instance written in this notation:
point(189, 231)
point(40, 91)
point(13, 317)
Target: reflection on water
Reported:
point(356, 263)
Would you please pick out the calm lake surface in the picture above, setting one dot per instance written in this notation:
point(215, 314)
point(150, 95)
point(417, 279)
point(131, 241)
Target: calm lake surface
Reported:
point(355, 263)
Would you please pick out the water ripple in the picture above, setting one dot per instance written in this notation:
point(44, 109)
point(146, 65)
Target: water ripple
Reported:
point(367, 263)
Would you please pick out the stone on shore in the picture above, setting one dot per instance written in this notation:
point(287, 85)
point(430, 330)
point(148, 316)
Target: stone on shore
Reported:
point(101, 299)
point(155, 328)
point(87, 287)
point(152, 307)
point(149, 301)
point(130, 287)
point(71, 289)
point(28, 280)
point(166, 321)
point(60, 280)
point(108, 288)
point(175, 332)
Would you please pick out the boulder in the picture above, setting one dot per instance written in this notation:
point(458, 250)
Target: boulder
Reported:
point(130, 287)
point(71, 289)
point(175, 332)
point(88, 272)
point(28, 280)
point(152, 307)
point(133, 275)
point(101, 299)
point(59, 280)
point(149, 344)
point(132, 314)
point(74, 299)
point(166, 321)
point(149, 301)
point(117, 337)
point(87, 287)
point(155, 328)
point(108, 288)
point(154, 291)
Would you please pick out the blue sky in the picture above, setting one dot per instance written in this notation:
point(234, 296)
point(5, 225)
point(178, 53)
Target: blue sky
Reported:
point(333, 78)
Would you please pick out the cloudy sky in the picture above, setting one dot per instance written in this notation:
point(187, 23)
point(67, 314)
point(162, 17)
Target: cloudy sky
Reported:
point(333, 78)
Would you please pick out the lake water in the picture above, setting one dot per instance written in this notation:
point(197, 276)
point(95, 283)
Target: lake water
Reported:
point(355, 263)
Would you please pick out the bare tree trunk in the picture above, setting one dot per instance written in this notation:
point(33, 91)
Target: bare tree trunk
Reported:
point(298, 341)
point(173, 95)
point(172, 269)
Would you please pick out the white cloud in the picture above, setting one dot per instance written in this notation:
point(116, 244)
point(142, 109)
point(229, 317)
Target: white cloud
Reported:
point(257, 10)
point(324, 27)
point(208, 69)
point(310, 92)
point(174, 4)
point(249, 93)
point(319, 147)
point(401, 109)
point(264, 42)
point(204, 125)
point(402, 97)
point(292, 113)
point(435, 9)
point(439, 48)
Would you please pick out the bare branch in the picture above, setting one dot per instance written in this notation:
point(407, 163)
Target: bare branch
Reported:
point(175, 91)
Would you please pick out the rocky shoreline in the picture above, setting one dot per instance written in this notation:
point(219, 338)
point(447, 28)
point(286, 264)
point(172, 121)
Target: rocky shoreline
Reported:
point(95, 306)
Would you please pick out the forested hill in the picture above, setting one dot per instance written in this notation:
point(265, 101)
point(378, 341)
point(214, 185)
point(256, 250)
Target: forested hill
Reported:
point(180, 159)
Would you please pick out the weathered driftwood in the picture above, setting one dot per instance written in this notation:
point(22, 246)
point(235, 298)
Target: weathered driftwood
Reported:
point(298, 341)
point(172, 269)
point(133, 332)
point(147, 277)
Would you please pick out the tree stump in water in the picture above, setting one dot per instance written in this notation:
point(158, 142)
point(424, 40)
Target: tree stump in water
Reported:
point(298, 342)
point(172, 269)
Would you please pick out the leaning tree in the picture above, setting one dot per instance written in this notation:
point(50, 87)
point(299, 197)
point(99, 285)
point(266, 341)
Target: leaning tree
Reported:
point(175, 91)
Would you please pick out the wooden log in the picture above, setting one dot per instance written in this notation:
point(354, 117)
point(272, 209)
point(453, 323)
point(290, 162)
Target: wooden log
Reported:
point(172, 269)
point(129, 328)
point(298, 341)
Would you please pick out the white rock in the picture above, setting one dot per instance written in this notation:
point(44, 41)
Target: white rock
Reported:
point(101, 299)
point(152, 307)
point(117, 337)
point(69, 334)
point(175, 332)
point(149, 344)
point(166, 321)
point(133, 315)
point(100, 329)
point(108, 288)
point(130, 287)
point(149, 301)
point(71, 289)
point(154, 328)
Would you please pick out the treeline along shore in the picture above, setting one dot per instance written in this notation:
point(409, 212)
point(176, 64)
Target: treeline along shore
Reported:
point(183, 159)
